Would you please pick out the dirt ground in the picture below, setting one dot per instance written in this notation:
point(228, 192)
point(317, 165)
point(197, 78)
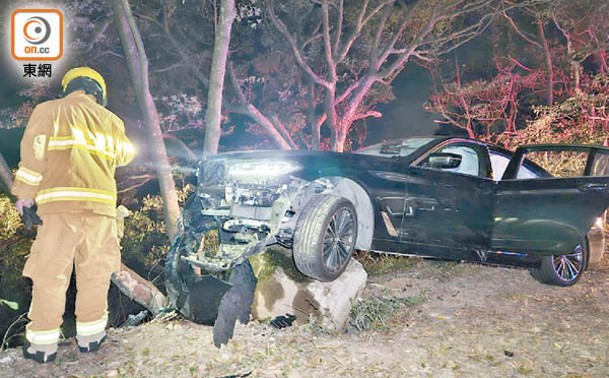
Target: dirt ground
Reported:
point(472, 321)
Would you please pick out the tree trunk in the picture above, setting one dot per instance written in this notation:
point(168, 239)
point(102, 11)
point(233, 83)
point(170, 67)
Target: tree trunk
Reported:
point(216, 77)
point(6, 176)
point(548, 60)
point(311, 118)
point(332, 118)
point(140, 290)
point(341, 137)
point(137, 62)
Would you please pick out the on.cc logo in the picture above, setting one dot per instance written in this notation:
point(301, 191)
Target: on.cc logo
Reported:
point(36, 30)
point(37, 34)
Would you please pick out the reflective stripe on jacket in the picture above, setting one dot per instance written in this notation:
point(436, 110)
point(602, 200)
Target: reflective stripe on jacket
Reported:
point(69, 153)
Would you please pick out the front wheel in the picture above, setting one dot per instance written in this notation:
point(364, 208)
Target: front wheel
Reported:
point(562, 270)
point(325, 237)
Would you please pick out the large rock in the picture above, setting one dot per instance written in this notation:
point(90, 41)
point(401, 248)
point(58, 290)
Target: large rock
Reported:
point(282, 289)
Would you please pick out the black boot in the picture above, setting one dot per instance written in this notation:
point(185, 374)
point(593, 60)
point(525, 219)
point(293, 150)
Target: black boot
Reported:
point(88, 344)
point(39, 353)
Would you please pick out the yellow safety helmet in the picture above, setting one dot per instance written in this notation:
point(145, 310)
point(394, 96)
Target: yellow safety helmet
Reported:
point(84, 72)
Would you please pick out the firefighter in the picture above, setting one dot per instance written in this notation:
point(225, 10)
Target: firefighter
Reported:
point(69, 153)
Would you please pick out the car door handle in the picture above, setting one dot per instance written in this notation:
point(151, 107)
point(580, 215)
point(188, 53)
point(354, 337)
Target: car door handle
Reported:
point(590, 187)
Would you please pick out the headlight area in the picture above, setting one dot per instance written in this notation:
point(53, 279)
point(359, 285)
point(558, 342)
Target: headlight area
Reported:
point(262, 172)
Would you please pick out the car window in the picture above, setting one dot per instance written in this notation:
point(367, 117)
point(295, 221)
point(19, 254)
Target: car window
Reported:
point(563, 161)
point(499, 163)
point(470, 161)
point(394, 148)
point(560, 163)
point(600, 166)
point(470, 164)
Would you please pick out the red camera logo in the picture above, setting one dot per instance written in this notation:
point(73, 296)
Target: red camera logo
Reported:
point(37, 34)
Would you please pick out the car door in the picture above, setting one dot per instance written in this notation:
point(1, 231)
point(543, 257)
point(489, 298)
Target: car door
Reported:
point(447, 211)
point(388, 187)
point(550, 215)
point(386, 180)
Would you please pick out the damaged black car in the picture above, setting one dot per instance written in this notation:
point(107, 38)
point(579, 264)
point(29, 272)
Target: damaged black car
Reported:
point(540, 207)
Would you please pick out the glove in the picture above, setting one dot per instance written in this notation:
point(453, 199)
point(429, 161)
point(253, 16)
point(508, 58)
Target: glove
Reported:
point(30, 218)
point(22, 203)
point(283, 321)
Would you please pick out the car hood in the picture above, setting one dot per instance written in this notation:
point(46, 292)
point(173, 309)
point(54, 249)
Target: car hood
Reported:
point(304, 164)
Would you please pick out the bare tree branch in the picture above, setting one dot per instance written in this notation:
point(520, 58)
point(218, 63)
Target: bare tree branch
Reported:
point(98, 33)
point(327, 41)
point(246, 108)
point(339, 23)
point(368, 114)
point(522, 34)
point(284, 132)
point(179, 48)
point(283, 29)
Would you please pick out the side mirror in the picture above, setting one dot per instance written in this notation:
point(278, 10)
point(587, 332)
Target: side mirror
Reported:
point(444, 160)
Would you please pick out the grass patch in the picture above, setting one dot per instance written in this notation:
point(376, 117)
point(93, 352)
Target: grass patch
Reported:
point(379, 312)
point(317, 328)
point(377, 264)
point(445, 270)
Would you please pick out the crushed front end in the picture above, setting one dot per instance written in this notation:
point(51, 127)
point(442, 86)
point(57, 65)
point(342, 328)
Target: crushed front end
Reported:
point(241, 206)
point(248, 204)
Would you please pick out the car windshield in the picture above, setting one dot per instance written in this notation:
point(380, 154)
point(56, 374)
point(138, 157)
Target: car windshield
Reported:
point(394, 148)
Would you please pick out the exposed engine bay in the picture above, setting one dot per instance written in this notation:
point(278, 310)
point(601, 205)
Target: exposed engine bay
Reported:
point(246, 213)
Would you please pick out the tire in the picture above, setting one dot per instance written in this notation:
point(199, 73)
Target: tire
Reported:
point(562, 270)
point(325, 237)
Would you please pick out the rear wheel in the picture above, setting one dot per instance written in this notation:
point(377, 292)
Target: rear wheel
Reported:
point(325, 237)
point(562, 270)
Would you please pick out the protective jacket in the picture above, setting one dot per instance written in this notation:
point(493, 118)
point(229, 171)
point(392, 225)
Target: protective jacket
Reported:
point(85, 142)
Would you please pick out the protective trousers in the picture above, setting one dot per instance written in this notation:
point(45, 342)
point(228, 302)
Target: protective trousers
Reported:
point(86, 241)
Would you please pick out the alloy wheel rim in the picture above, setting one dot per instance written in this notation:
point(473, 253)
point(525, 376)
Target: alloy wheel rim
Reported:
point(568, 267)
point(338, 240)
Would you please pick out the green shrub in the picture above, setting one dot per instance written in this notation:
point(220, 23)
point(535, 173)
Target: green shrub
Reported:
point(145, 240)
point(10, 218)
point(14, 289)
point(14, 247)
point(145, 243)
point(580, 119)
